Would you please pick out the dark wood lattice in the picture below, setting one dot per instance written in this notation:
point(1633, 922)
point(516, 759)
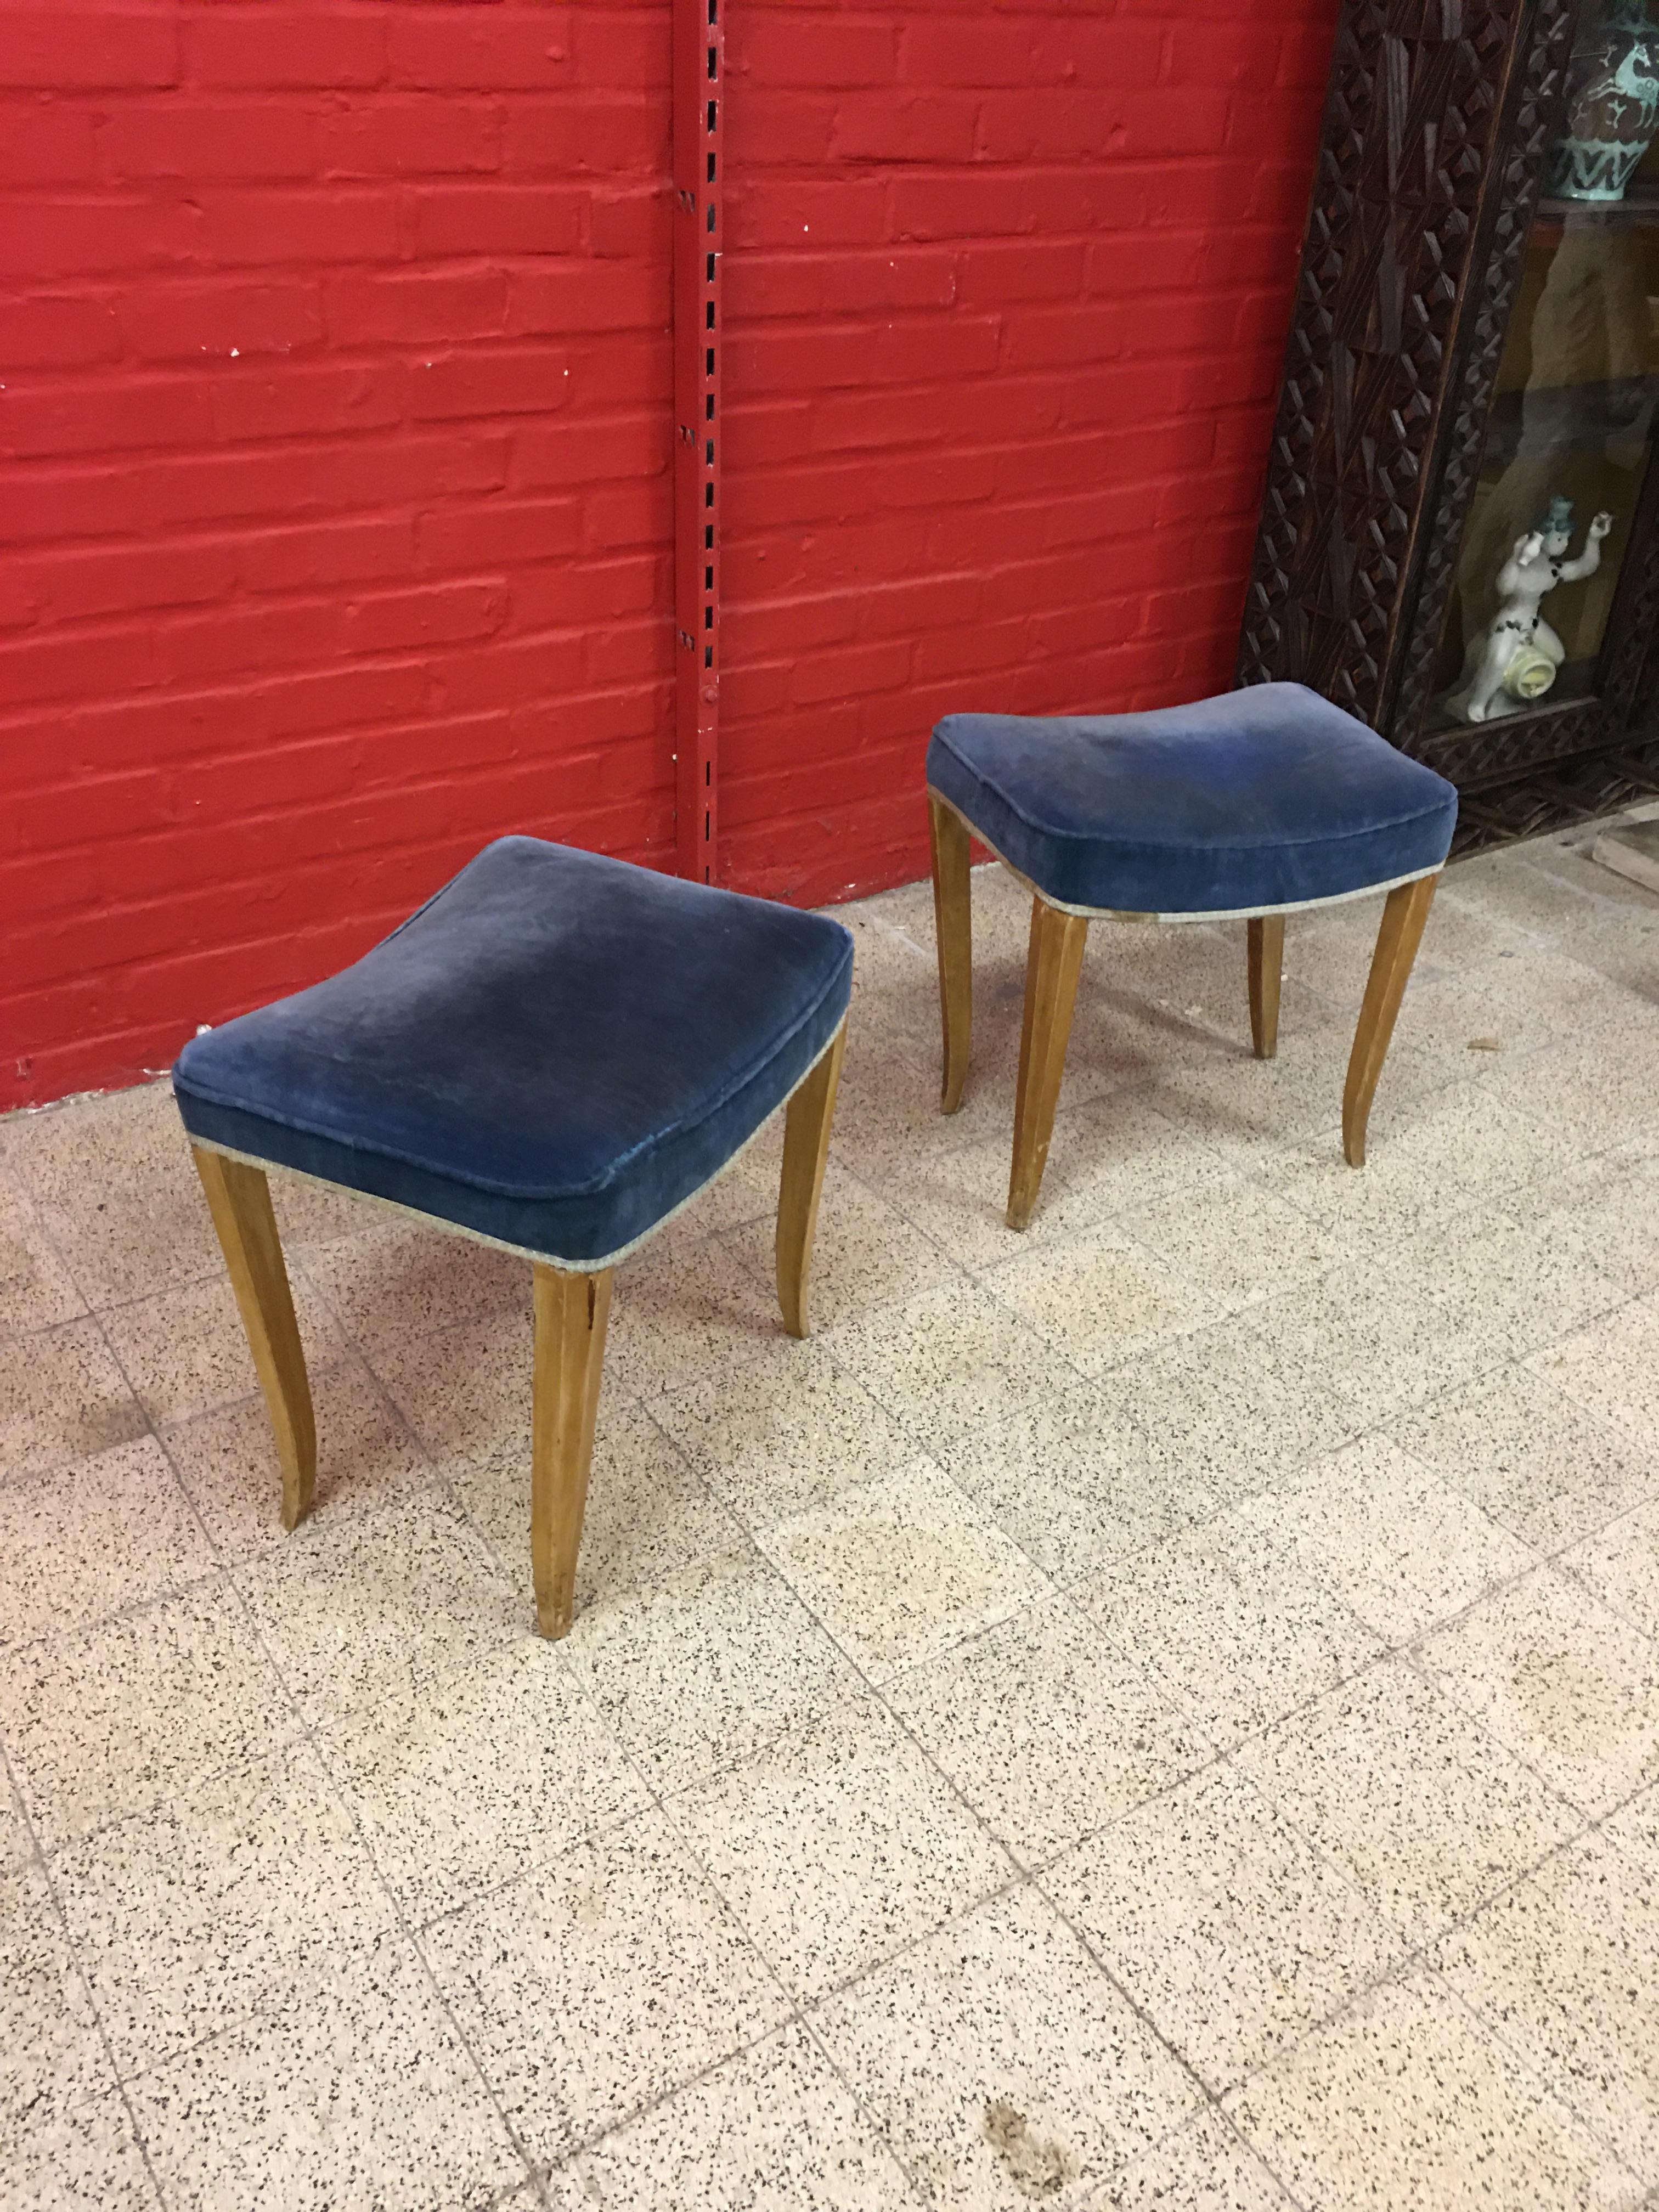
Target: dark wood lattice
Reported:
point(1438, 116)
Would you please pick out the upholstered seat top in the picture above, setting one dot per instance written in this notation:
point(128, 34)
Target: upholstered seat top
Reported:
point(556, 1051)
point(1260, 799)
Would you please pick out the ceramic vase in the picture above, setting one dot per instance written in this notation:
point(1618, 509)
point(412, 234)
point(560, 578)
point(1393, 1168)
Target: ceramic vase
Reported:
point(1612, 105)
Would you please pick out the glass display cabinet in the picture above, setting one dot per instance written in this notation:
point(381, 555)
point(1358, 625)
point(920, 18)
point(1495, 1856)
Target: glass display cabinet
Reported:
point(1458, 538)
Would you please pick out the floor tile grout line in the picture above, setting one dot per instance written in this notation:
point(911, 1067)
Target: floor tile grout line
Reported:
point(117, 2080)
point(308, 1735)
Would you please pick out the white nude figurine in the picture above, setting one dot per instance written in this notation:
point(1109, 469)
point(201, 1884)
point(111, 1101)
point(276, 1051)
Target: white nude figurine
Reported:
point(1520, 652)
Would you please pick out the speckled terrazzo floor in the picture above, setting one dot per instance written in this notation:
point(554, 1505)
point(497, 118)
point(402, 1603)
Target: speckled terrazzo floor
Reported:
point(1160, 1712)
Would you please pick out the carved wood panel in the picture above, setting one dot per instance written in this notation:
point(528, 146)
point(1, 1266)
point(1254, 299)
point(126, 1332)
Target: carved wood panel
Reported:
point(1450, 485)
point(1408, 172)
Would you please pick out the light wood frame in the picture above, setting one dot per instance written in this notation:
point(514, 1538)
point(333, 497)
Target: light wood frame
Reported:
point(572, 1308)
point(1058, 937)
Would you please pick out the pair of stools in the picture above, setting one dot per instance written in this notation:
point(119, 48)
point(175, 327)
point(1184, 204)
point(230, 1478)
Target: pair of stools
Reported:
point(558, 1051)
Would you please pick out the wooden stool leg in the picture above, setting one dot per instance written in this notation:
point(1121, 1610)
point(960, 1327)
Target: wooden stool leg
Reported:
point(953, 929)
point(238, 1199)
point(1267, 966)
point(811, 1110)
point(1051, 973)
point(571, 1313)
point(1397, 940)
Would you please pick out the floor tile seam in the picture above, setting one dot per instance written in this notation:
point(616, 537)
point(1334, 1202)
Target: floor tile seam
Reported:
point(1407, 1958)
point(1620, 1611)
point(1316, 1571)
point(872, 1692)
point(537, 1866)
point(1411, 1654)
point(1224, 1754)
point(762, 1274)
point(1215, 2097)
point(164, 1593)
point(1628, 1427)
point(311, 1736)
point(541, 2170)
point(1540, 1563)
point(590, 2144)
point(879, 2132)
point(1047, 1599)
point(1111, 1223)
point(1544, 2080)
point(1623, 1805)
point(116, 2082)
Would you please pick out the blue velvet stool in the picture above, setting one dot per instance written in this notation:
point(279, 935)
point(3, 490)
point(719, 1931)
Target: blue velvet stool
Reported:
point(554, 1055)
point(1245, 807)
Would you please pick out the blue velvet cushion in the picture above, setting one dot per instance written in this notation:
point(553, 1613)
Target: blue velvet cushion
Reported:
point(556, 1050)
point(1262, 797)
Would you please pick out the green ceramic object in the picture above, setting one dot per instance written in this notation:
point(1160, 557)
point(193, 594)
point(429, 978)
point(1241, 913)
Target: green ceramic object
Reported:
point(1612, 105)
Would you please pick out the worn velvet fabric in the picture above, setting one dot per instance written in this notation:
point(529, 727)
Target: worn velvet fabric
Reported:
point(1262, 797)
point(556, 1050)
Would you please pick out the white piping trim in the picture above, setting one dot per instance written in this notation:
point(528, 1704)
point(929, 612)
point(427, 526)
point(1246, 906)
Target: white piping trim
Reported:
point(1211, 913)
point(495, 1244)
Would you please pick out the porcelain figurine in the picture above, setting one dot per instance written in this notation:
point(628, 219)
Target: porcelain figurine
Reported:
point(1518, 656)
point(1612, 105)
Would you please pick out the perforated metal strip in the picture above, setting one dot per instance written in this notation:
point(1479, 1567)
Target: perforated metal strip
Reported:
point(699, 94)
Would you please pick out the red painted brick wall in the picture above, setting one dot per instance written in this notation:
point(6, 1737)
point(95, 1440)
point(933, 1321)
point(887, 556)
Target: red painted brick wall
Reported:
point(334, 346)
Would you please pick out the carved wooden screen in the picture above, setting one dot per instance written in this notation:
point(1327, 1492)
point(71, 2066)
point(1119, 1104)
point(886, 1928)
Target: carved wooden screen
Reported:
point(1407, 201)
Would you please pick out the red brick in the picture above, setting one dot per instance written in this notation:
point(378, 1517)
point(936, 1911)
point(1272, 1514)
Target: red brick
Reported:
point(65, 49)
point(991, 50)
point(579, 131)
point(808, 215)
point(586, 296)
point(57, 333)
point(503, 218)
point(773, 287)
point(436, 614)
point(792, 45)
point(175, 322)
point(987, 205)
point(303, 400)
point(388, 138)
point(242, 138)
point(844, 674)
point(47, 145)
point(271, 46)
point(423, 307)
point(363, 548)
point(89, 418)
point(298, 635)
point(495, 380)
point(121, 580)
point(630, 224)
point(554, 596)
point(54, 237)
point(499, 532)
point(299, 226)
point(783, 132)
point(587, 452)
point(65, 664)
point(453, 49)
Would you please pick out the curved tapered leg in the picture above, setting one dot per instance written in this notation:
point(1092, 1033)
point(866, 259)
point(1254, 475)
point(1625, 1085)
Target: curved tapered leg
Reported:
point(1397, 940)
point(810, 1111)
point(1265, 935)
point(1051, 973)
point(238, 1199)
point(953, 929)
point(571, 1313)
